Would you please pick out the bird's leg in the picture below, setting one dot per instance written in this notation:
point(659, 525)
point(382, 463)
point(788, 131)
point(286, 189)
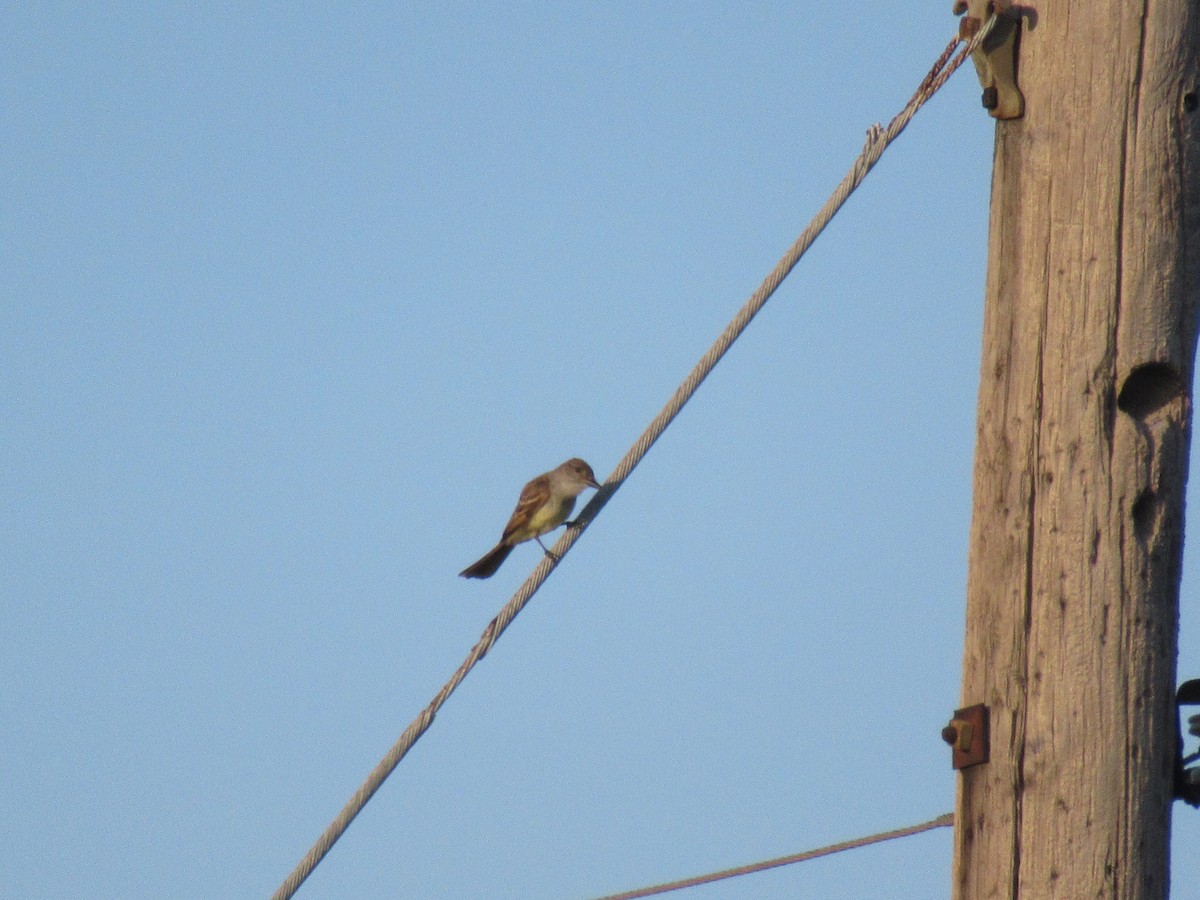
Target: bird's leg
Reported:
point(547, 552)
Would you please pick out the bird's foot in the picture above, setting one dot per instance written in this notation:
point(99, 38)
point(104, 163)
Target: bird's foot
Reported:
point(553, 556)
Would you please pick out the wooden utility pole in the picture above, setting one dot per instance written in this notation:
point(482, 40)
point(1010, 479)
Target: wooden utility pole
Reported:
point(1090, 324)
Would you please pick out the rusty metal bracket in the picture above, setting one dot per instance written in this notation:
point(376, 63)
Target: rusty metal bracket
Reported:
point(967, 735)
point(996, 58)
point(1187, 780)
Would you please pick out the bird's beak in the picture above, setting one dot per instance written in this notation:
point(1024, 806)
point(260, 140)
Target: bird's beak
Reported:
point(594, 483)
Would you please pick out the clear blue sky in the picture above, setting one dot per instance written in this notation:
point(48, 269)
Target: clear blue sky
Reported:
point(295, 300)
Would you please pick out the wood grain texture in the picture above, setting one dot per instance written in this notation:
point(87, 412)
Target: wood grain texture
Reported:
point(1090, 326)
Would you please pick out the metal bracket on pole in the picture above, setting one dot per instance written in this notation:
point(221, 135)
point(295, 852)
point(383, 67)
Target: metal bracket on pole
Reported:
point(996, 58)
point(967, 735)
point(1187, 781)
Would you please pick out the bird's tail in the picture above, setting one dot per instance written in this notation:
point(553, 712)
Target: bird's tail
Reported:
point(486, 567)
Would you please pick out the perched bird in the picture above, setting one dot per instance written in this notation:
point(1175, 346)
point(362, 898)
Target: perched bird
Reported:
point(545, 504)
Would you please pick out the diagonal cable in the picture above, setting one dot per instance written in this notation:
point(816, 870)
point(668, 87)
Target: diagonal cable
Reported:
point(943, 821)
point(878, 140)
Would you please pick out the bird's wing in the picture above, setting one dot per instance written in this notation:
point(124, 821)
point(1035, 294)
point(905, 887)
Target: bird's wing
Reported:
point(533, 497)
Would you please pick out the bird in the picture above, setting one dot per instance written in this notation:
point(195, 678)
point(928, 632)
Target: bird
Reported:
point(544, 504)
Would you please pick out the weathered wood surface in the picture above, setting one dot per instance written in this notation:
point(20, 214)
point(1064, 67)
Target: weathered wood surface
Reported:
point(1093, 292)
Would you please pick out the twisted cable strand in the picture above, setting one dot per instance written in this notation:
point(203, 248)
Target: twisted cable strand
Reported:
point(878, 140)
point(942, 821)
